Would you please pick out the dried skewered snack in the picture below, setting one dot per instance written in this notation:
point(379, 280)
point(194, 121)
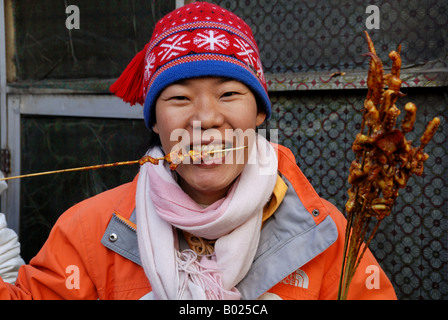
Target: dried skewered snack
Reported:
point(384, 161)
point(174, 158)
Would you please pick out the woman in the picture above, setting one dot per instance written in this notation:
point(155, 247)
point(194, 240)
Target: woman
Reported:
point(238, 224)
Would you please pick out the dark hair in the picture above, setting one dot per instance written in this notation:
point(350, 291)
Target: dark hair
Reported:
point(153, 140)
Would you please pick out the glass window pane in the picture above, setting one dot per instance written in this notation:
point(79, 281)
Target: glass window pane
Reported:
point(110, 34)
point(52, 143)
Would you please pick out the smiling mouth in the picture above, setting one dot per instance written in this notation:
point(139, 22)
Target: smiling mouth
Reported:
point(211, 153)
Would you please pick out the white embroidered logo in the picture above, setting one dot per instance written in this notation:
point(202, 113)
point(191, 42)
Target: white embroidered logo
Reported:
point(211, 39)
point(298, 279)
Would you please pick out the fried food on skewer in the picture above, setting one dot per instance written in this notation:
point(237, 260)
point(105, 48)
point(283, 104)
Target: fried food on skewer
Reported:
point(384, 161)
point(174, 158)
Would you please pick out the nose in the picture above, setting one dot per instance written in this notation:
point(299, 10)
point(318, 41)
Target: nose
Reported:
point(208, 112)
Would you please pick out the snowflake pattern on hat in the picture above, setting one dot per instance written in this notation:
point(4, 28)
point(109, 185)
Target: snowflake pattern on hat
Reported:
point(201, 28)
point(196, 40)
point(212, 39)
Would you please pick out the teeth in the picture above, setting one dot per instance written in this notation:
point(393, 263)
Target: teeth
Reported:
point(209, 149)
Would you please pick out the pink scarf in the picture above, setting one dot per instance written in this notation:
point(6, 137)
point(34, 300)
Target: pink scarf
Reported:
point(235, 222)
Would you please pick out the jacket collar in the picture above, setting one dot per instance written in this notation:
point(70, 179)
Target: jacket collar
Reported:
point(311, 201)
point(126, 204)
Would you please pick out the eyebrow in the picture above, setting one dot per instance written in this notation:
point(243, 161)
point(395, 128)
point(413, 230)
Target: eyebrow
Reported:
point(226, 79)
point(220, 80)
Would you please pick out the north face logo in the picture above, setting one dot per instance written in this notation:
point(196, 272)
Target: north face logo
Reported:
point(298, 278)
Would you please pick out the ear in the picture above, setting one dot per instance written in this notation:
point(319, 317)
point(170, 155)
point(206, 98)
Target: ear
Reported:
point(261, 116)
point(155, 128)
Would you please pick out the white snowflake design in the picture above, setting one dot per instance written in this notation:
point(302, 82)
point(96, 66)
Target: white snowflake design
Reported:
point(212, 40)
point(245, 51)
point(149, 65)
point(174, 46)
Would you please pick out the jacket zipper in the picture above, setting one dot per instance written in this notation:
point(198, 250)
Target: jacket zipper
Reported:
point(124, 222)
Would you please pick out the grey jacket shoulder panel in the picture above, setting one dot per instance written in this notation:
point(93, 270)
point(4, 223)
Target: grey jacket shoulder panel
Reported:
point(122, 239)
point(289, 239)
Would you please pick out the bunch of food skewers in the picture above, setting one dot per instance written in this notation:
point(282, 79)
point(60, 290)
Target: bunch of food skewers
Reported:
point(385, 160)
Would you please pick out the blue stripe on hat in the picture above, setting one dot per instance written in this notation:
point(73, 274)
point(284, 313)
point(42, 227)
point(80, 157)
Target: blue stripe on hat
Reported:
point(203, 68)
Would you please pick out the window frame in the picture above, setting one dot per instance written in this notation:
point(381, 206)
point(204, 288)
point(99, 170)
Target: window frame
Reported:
point(16, 102)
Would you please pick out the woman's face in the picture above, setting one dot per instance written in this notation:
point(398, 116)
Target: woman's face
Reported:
point(206, 114)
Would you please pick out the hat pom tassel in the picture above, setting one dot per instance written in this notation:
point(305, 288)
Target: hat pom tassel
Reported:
point(129, 86)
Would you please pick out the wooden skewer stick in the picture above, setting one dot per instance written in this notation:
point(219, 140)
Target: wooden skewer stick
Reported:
point(107, 165)
point(99, 166)
point(225, 150)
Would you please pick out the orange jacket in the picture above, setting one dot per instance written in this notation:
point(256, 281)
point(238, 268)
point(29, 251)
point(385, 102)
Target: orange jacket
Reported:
point(92, 253)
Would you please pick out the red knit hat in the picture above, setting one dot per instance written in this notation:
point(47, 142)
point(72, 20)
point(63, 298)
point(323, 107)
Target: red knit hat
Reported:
point(196, 40)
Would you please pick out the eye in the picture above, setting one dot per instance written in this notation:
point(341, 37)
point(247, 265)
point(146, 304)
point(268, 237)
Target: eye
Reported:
point(230, 94)
point(179, 98)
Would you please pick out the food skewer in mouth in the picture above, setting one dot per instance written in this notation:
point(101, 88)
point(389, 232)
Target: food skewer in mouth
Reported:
point(174, 158)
